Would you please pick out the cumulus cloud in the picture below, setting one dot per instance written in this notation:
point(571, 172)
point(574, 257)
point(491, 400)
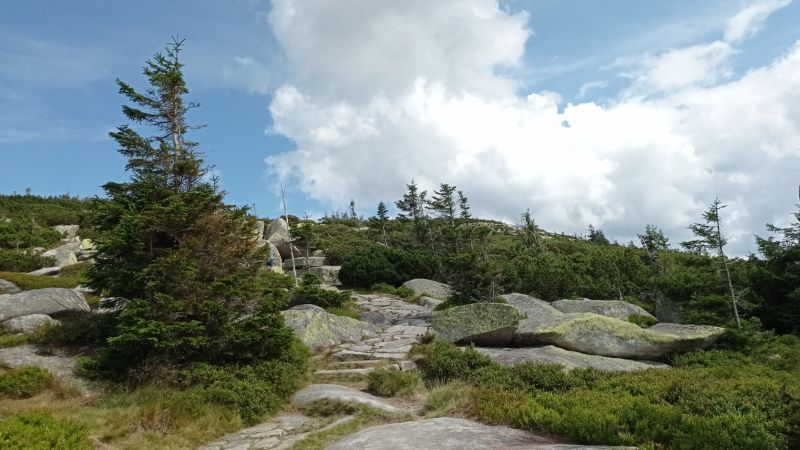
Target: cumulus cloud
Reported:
point(749, 20)
point(382, 92)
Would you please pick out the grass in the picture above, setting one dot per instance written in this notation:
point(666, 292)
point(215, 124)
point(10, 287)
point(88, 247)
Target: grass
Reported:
point(12, 340)
point(446, 399)
point(25, 382)
point(349, 308)
point(39, 430)
point(70, 277)
point(391, 383)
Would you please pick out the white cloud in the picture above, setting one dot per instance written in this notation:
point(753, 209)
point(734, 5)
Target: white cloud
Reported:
point(749, 20)
point(589, 86)
point(382, 92)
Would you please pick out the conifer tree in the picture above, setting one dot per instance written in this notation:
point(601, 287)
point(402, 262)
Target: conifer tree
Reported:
point(381, 219)
point(463, 206)
point(412, 207)
point(185, 261)
point(709, 236)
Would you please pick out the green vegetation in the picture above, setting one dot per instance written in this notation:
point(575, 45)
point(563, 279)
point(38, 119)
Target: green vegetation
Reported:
point(18, 261)
point(378, 264)
point(25, 382)
point(310, 292)
point(70, 277)
point(714, 399)
point(384, 288)
point(38, 430)
point(391, 383)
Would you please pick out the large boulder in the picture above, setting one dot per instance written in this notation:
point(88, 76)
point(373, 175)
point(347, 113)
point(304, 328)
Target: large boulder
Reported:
point(691, 336)
point(318, 329)
point(275, 255)
point(29, 324)
point(7, 287)
point(448, 433)
point(431, 288)
point(328, 274)
point(569, 360)
point(303, 262)
point(65, 254)
point(46, 271)
point(530, 307)
point(610, 308)
point(487, 324)
point(341, 394)
point(606, 336)
point(49, 301)
point(278, 234)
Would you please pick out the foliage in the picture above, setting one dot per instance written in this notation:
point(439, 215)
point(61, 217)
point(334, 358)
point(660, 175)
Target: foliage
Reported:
point(45, 211)
point(712, 399)
point(391, 383)
point(642, 321)
point(39, 430)
point(70, 277)
point(18, 261)
point(379, 264)
point(383, 288)
point(186, 261)
point(25, 381)
point(310, 293)
point(412, 207)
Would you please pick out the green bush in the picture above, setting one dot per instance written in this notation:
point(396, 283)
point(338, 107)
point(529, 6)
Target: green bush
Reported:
point(390, 383)
point(38, 430)
point(310, 293)
point(14, 261)
point(378, 264)
point(442, 362)
point(25, 382)
point(384, 288)
point(89, 329)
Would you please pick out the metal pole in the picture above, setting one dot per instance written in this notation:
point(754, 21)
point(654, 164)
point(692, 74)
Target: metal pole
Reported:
point(291, 250)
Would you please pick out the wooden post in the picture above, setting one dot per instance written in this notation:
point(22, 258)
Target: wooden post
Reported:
point(288, 228)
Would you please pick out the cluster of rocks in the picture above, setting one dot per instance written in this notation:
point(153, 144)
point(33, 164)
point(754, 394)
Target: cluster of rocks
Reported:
point(573, 333)
point(287, 258)
point(72, 250)
point(26, 312)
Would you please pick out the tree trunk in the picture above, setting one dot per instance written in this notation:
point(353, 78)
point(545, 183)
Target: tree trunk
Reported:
point(728, 276)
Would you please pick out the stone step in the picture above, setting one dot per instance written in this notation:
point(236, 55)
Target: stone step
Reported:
point(357, 363)
point(361, 371)
point(348, 355)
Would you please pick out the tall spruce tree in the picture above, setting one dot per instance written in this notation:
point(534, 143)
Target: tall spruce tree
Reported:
point(381, 219)
point(463, 207)
point(412, 207)
point(709, 237)
point(185, 261)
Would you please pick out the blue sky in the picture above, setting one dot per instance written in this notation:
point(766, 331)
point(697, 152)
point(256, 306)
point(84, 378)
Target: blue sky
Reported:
point(308, 83)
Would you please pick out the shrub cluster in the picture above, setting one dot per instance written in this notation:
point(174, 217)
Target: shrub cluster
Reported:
point(38, 430)
point(384, 288)
point(378, 264)
point(716, 399)
point(390, 383)
point(310, 293)
point(25, 382)
point(17, 261)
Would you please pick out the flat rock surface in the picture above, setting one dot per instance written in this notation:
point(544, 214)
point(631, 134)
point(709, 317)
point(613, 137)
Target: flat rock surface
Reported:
point(42, 301)
point(568, 359)
point(7, 287)
point(446, 434)
point(486, 324)
point(609, 308)
point(388, 310)
point(435, 289)
point(343, 394)
point(29, 324)
point(278, 433)
point(529, 306)
point(29, 355)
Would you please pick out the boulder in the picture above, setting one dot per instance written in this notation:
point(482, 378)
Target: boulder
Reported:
point(341, 394)
point(431, 288)
point(691, 336)
point(610, 308)
point(29, 324)
point(50, 301)
point(430, 302)
point(7, 287)
point(278, 234)
point(486, 324)
point(303, 262)
point(65, 254)
point(328, 274)
point(594, 334)
point(565, 358)
point(69, 231)
point(529, 306)
point(46, 271)
point(86, 244)
point(258, 231)
point(448, 433)
point(275, 255)
point(318, 329)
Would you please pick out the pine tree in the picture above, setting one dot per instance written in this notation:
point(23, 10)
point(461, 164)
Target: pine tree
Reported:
point(185, 261)
point(443, 204)
point(530, 234)
point(381, 219)
point(597, 236)
point(709, 236)
point(463, 206)
point(412, 207)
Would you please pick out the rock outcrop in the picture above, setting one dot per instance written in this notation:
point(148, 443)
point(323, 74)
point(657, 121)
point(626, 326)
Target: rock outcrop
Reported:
point(278, 235)
point(530, 307)
point(50, 301)
point(430, 302)
point(318, 329)
point(565, 358)
point(46, 271)
point(486, 324)
point(341, 394)
point(68, 231)
point(430, 288)
point(29, 324)
point(65, 254)
point(7, 287)
point(605, 336)
point(609, 308)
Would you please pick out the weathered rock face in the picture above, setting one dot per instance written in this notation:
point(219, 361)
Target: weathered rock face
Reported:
point(530, 307)
point(46, 271)
point(667, 310)
point(430, 302)
point(430, 288)
point(303, 262)
point(605, 336)
point(29, 324)
point(7, 287)
point(610, 308)
point(341, 394)
point(50, 301)
point(487, 324)
point(65, 254)
point(448, 433)
point(275, 255)
point(69, 231)
point(278, 234)
point(569, 360)
point(691, 336)
point(328, 274)
point(318, 329)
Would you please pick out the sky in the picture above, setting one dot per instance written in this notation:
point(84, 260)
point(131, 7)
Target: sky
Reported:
point(618, 113)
